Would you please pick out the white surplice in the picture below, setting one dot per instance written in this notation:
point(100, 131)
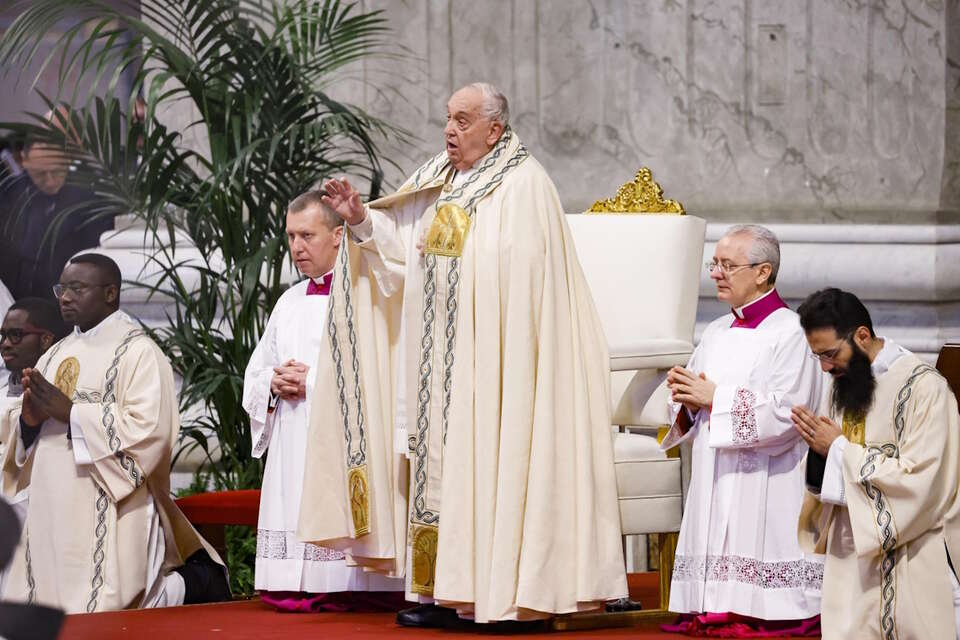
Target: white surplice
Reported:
point(738, 550)
point(294, 331)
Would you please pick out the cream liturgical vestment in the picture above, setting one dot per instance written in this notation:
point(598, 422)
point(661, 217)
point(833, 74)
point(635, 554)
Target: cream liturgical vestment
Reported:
point(738, 550)
point(101, 530)
point(484, 361)
point(897, 513)
point(294, 332)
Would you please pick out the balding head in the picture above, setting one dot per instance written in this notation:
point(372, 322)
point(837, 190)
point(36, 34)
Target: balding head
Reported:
point(477, 115)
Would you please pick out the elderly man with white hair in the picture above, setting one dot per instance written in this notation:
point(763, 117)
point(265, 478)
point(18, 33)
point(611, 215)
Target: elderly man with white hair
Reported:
point(462, 334)
point(738, 558)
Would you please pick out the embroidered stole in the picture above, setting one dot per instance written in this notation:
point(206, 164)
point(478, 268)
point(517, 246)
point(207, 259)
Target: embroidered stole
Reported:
point(451, 216)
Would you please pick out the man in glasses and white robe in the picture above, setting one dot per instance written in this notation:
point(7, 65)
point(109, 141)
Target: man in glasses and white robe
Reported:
point(738, 559)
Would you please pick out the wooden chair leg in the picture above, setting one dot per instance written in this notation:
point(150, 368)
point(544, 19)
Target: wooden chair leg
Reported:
point(667, 543)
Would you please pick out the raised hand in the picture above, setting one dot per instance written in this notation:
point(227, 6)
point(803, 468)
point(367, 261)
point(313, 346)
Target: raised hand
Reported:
point(344, 199)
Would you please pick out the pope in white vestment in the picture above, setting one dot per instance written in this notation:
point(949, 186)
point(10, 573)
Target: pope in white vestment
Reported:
point(738, 550)
point(101, 532)
point(886, 509)
point(462, 335)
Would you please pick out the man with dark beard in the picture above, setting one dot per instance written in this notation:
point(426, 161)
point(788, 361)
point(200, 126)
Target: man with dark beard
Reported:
point(887, 512)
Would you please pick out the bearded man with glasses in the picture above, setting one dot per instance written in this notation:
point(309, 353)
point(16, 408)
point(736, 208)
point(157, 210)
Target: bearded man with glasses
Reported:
point(885, 503)
point(738, 560)
point(90, 445)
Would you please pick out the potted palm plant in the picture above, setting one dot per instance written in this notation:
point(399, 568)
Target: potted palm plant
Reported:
point(254, 76)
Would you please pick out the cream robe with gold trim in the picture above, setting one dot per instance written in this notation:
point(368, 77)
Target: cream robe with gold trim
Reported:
point(507, 412)
point(885, 574)
point(90, 540)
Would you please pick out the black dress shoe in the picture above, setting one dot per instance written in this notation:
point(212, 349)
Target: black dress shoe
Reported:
point(204, 580)
point(430, 616)
point(623, 604)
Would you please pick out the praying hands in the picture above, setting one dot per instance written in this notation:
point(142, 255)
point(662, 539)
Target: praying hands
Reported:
point(290, 380)
point(818, 431)
point(42, 400)
point(693, 391)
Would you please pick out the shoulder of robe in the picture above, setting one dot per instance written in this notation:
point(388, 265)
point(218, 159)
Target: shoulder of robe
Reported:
point(525, 185)
point(293, 291)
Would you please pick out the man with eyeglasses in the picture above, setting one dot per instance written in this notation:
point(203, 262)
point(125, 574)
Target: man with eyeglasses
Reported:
point(44, 219)
point(885, 507)
point(30, 326)
point(738, 560)
point(91, 445)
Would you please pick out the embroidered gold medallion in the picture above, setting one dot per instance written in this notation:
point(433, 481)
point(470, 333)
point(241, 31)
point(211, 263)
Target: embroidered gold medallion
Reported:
point(448, 231)
point(424, 560)
point(854, 428)
point(67, 374)
point(359, 500)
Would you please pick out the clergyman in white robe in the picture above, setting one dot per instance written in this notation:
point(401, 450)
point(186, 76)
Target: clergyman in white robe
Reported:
point(101, 532)
point(888, 511)
point(294, 332)
point(738, 550)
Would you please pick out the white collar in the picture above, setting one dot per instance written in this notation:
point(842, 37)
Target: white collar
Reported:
point(92, 331)
point(889, 354)
point(739, 310)
point(319, 281)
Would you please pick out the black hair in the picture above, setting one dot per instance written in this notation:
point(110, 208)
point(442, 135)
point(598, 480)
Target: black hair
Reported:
point(106, 266)
point(43, 314)
point(834, 309)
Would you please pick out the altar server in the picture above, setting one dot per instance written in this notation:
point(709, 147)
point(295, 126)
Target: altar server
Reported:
point(277, 392)
point(738, 554)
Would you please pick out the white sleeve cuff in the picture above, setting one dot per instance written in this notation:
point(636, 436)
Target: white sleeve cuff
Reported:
point(363, 230)
point(832, 490)
point(81, 455)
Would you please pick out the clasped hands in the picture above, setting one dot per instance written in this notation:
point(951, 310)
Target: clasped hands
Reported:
point(42, 400)
point(694, 391)
point(289, 381)
point(818, 432)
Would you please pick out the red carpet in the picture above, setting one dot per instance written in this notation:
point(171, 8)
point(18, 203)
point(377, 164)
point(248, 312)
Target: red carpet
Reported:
point(254, 620)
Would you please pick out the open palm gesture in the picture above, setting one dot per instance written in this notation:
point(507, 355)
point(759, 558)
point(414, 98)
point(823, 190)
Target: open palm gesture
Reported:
point(343, 198)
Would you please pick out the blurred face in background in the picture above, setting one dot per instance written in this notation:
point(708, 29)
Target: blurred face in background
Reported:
point(21, 343)
point(46, 167)
point(313, 244)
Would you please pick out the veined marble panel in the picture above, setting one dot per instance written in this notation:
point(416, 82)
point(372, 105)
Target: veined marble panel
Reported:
point(792, 110)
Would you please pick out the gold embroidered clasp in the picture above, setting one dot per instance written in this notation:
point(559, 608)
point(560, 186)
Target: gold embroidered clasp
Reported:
point(448, 231)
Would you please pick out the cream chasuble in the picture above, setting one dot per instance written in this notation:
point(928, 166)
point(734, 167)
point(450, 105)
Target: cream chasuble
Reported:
point(496, 368)
point(886, 573)
point(738, 550)
point(103, 534)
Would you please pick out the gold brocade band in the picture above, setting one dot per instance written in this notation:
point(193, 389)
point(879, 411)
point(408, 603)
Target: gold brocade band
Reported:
point(359, 500)
point(424, 561)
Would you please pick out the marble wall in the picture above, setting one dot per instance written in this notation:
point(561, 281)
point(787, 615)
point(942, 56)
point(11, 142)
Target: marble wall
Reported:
point(780, 110)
